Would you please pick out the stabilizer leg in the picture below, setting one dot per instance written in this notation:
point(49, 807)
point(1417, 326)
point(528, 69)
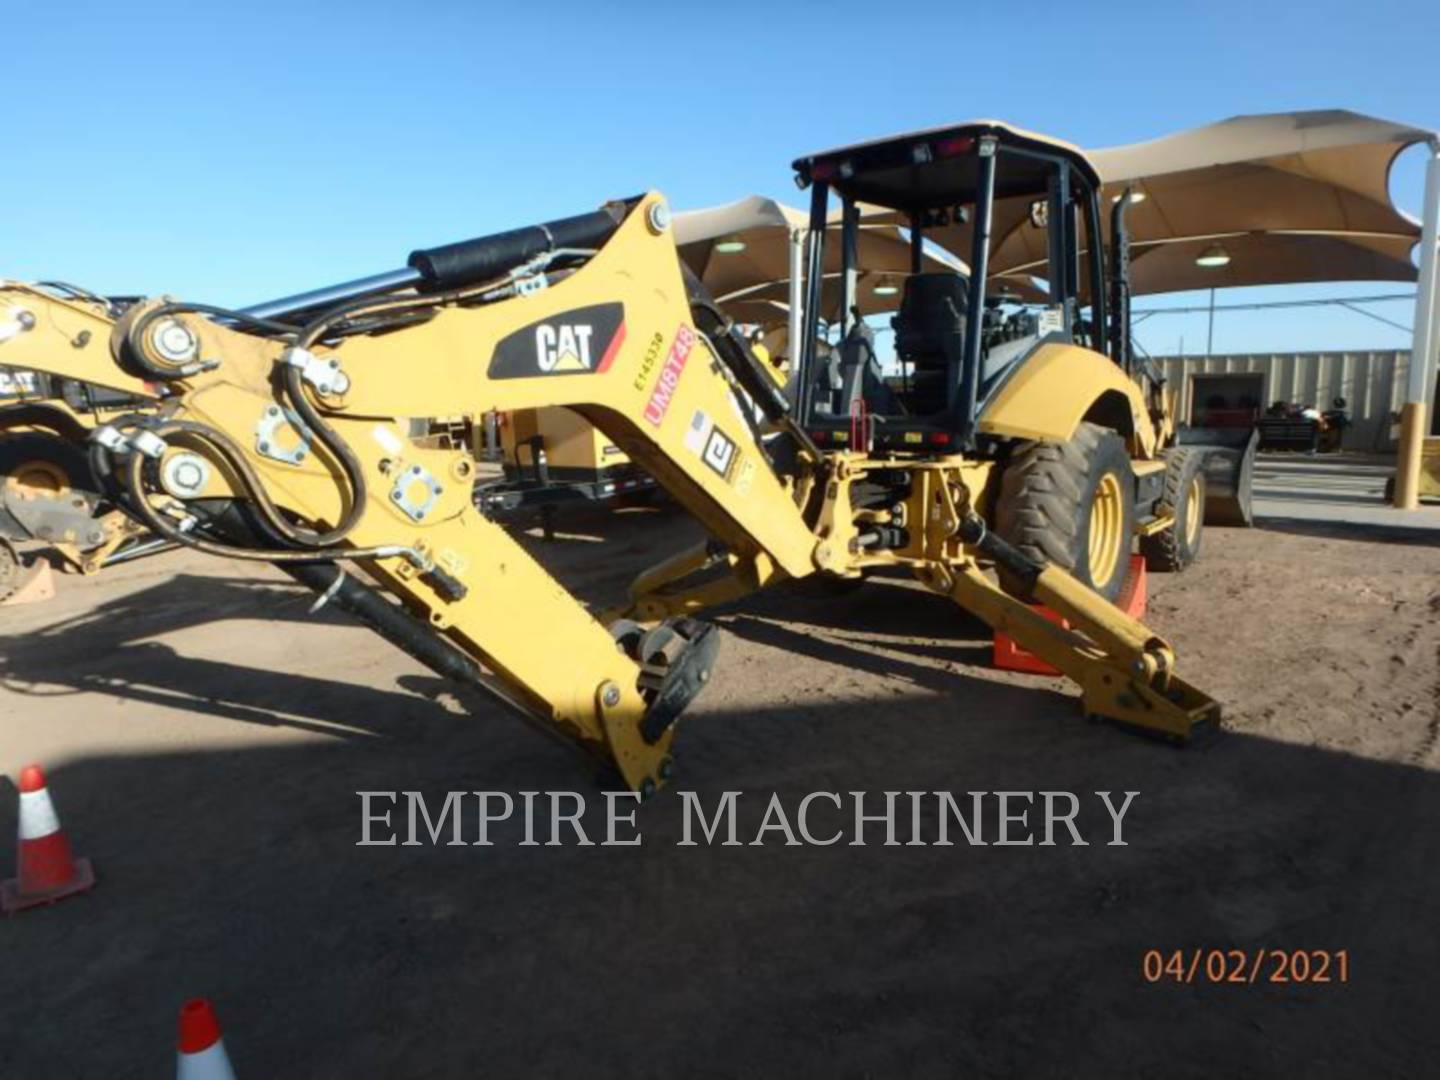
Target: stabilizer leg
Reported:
point(1125, 671)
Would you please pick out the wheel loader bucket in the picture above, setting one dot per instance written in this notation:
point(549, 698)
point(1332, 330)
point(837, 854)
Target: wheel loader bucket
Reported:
point(1229, 471)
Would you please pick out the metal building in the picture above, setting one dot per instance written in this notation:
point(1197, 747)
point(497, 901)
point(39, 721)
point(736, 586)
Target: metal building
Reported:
point(1373, 385)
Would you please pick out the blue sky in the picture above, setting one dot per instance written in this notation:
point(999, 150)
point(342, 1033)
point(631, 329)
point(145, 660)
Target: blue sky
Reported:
point(233, 153)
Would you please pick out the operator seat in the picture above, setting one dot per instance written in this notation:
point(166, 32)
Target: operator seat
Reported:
point(930, 337)
point(852, 373)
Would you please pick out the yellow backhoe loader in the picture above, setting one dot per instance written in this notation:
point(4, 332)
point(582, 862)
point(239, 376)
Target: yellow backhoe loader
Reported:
point(1025, 446)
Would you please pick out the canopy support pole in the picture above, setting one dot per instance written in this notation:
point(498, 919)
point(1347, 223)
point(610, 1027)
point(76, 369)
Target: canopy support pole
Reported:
point(1413, 414)
point(797, 297)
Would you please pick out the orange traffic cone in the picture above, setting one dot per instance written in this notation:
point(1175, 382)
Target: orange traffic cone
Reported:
point(47, 870)
point(200, 1051)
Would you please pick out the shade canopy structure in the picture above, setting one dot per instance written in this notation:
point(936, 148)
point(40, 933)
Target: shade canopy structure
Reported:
point(876, 291)
point(1284, 197)
point(740, 244)
point(746, 253)
point(1287, 197)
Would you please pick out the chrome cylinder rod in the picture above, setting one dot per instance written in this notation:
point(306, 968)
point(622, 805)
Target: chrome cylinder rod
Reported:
point(335, 294)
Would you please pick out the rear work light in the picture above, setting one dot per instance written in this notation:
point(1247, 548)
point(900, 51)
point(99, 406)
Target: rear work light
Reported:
point(954, 147)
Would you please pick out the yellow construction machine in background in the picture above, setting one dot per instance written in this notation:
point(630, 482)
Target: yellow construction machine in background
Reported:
point(49, 501)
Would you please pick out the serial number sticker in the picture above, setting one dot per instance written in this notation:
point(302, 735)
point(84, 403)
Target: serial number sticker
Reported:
point(647, 362)
point(1245, 966)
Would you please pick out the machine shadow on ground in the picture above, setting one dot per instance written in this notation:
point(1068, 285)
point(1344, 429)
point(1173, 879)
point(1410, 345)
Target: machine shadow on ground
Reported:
point(881, 627)
point(107, 651)
point(234, 873)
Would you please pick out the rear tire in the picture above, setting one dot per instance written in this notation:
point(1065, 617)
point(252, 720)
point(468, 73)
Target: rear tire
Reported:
point(1072, 504)
point(1178, 546)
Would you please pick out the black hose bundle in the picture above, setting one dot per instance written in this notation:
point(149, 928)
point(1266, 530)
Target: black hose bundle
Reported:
point(133, 478)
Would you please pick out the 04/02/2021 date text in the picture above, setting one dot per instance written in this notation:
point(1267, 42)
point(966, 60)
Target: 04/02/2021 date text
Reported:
point(1246, 966)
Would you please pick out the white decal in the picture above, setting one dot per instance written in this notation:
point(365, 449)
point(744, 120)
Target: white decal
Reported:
point(719, 452)
point(699, 432)
point(563, 348)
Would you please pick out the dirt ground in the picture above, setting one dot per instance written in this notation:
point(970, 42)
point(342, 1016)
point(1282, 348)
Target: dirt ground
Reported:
point(206, 737)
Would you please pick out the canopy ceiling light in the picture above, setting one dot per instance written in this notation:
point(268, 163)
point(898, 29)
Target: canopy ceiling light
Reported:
point(1213, 256)
point(886, 286)
point(1135, 197)
point(730, 245)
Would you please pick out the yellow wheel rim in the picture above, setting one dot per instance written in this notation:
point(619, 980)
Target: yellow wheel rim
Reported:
point(1107, 520)
point(1194, 510)
point(38, 479)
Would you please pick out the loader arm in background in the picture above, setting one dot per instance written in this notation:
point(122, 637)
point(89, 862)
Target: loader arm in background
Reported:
point(303, 430)
point(44, 499)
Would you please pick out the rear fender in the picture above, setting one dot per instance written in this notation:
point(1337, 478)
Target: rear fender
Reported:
point(1056, 388)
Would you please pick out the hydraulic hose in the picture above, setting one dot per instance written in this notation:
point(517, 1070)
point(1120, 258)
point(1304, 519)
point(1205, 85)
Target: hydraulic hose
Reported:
point(293, 383)
point(157, 522)
point(101, 463)
point(270, 520)
point(234, 456)
point(340, 450)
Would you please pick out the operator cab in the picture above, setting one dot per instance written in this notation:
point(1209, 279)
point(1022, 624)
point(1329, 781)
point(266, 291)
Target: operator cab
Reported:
point(1019, 209)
